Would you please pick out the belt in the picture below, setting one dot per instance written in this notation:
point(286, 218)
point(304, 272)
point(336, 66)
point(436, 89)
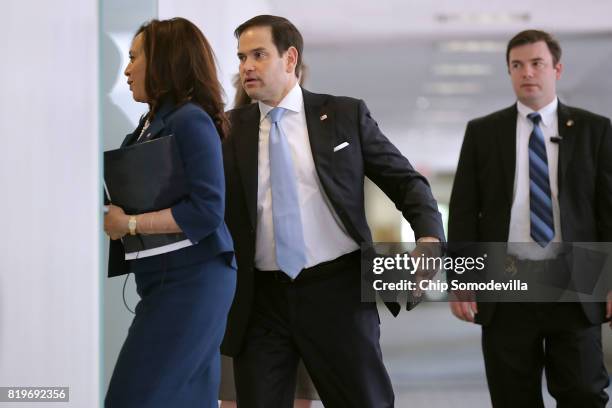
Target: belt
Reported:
point(322, 270)
point(514, 265)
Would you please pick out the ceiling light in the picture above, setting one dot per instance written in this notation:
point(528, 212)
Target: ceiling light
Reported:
point(472, 46)
point(461, 69)
point(454, 88)
point(483, 18)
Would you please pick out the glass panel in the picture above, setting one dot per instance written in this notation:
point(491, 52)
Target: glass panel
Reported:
point(119, 116)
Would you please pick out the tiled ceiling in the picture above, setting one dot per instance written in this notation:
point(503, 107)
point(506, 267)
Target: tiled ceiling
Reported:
point(426, 68)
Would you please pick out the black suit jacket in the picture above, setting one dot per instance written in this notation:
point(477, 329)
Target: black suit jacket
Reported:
point(331, 120)
point(482, 194)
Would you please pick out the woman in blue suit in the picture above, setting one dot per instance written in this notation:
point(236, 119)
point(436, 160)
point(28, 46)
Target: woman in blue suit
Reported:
point(170, 357)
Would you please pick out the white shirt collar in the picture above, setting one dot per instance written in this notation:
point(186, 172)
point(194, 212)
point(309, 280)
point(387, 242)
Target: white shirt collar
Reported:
point(293, 101)
point(548, 112)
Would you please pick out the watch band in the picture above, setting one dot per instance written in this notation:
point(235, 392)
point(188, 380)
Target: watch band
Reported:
point(132, 225)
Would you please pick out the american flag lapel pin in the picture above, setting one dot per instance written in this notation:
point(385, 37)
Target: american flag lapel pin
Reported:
point(323, 117)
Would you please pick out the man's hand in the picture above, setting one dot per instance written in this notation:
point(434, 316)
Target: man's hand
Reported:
point(463, 305)
point(427, 247)
point(116, 222)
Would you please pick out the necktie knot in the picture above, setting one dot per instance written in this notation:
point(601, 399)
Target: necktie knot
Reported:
point(535, 118)
point(276, 114)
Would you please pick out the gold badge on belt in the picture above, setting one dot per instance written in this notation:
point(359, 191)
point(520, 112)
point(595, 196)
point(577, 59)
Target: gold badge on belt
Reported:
point(510, 266)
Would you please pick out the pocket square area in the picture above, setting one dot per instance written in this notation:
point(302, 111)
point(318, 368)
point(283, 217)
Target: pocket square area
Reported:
point(340, 146)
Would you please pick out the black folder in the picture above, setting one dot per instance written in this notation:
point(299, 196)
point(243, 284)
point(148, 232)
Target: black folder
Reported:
point(146, 177)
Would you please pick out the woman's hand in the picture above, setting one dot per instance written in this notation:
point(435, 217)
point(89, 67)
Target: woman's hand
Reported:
point(116, 222)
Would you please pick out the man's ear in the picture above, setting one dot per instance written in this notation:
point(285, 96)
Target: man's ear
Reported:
point(559, 69)
point(291, 58)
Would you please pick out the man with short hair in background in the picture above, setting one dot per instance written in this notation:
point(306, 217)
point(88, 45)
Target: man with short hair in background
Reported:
point(538, 173)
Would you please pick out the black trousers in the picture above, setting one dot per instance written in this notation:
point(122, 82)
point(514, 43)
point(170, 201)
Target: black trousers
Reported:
point(320, 318)
point(523, 339)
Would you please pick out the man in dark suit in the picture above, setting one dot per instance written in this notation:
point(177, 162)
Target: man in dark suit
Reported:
point(295, 164)
point(538, 173)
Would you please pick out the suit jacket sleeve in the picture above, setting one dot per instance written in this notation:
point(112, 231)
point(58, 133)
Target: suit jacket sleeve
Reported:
point(603, 195)
point(603, 204)
point(393, 173)
point(464, 206)
point(201, 212)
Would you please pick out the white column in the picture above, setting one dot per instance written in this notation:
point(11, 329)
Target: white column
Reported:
point(49, 206)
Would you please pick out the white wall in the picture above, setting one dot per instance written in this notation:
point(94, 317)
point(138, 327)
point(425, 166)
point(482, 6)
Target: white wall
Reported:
point(49, 205)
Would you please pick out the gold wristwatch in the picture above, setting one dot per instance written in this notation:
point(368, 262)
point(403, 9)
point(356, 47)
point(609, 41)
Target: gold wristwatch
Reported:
point(132, 225)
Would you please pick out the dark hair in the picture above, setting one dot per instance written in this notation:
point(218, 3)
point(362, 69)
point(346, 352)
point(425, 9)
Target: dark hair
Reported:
point(181, 66)
point(534, 36)
point(241, 98)
point(284, 35)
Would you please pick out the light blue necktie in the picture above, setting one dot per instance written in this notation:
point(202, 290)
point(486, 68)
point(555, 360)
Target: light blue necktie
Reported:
point(540, 201)
point(288, 232)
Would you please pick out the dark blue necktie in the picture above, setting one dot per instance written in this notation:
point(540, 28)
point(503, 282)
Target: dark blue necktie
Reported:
point(288, 232)
point(540, 201)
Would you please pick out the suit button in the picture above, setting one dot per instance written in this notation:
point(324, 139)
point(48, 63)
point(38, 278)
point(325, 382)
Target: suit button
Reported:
point(480, 214)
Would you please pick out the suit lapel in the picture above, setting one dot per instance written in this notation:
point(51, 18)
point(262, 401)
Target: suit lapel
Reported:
point(131, 138)
point(507, 148)
point(246, 144)
point(320, 122)
point(567, 131)
point(156, 126)
point(159, 121)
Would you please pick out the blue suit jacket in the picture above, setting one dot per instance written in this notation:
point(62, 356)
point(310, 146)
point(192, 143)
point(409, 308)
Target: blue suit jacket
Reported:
point(201, 213)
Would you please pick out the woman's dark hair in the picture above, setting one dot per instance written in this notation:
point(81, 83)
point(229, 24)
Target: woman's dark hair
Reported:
point(181, 66)
point(241, 98)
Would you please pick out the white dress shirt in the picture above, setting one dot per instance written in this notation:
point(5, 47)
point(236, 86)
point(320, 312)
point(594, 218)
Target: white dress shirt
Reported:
point(520, 220)
point(324, 234)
